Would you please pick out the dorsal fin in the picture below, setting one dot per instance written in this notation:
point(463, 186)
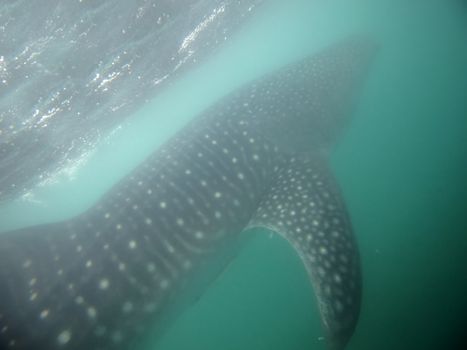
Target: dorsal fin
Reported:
point(305, 207)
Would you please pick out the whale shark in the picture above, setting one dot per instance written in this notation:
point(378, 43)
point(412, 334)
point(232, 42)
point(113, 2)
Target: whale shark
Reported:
point(256, 158)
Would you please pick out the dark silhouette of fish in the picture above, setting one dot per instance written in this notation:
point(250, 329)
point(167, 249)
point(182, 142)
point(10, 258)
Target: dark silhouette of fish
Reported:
point(257, 158)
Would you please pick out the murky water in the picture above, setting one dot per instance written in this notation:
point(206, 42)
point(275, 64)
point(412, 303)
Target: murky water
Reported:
point(402, 166)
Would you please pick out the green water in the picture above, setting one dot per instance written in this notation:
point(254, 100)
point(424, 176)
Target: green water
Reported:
point(402, 166)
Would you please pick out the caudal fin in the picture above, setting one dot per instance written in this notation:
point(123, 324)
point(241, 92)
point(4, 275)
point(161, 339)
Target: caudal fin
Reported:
point(305, 207)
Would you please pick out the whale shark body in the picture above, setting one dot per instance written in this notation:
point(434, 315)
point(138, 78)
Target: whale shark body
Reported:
point(254, 159)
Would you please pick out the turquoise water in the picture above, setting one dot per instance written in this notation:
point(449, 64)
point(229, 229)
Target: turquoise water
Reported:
point(401, 165)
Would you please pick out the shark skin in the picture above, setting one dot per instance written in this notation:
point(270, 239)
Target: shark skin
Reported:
point(254, 159)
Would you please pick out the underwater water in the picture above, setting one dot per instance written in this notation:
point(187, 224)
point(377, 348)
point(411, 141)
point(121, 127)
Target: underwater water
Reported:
point(402, 166)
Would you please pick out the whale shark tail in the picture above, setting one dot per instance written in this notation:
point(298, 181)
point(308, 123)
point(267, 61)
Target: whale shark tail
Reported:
point(304, 204)
point(306, 105)
point(305, 207)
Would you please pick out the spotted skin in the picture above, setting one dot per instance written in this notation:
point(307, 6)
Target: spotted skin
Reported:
point(305, 207)
point(136, 246)
point(97, 280)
